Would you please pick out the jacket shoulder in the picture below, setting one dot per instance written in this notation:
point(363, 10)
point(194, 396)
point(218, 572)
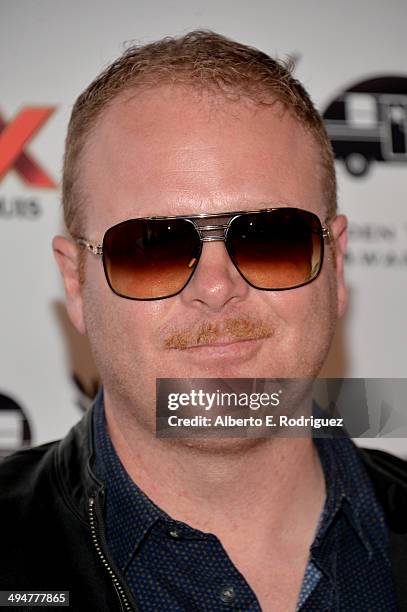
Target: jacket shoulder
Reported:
point(20, 471)
point(388, 474)
point(385, 464)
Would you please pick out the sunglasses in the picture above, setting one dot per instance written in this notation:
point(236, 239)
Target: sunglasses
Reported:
point(152, 258)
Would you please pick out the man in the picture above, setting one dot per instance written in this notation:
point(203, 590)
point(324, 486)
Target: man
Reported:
point(119, 517)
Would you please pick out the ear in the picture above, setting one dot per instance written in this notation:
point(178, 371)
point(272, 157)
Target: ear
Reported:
point(340, 236)
point(67, 256)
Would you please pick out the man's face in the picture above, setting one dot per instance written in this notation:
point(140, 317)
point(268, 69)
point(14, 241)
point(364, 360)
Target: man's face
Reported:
point(172, 152)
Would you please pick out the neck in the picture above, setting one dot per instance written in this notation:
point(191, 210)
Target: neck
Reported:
point(263, 485)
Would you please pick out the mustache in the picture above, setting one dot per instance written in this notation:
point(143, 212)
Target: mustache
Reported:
point(229, 329)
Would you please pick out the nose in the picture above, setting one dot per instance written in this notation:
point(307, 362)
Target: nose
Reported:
point(215, 282)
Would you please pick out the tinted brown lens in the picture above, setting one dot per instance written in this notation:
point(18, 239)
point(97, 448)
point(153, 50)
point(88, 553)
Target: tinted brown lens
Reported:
point(150, 259)
point(279, 249)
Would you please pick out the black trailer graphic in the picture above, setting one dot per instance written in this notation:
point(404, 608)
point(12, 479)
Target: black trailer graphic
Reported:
point(368, 122)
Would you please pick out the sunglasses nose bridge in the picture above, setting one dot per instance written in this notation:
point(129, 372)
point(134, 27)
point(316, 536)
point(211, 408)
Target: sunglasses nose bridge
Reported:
point(212, 233)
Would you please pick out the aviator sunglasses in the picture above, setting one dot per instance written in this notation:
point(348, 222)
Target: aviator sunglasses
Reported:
point(153, 258)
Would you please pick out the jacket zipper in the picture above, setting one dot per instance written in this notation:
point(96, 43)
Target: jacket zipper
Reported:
point(116, 582)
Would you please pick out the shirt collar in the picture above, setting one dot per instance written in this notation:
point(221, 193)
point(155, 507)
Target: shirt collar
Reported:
point(349, 493)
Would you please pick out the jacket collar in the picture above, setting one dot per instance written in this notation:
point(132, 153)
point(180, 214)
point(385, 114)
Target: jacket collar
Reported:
point(73, 466)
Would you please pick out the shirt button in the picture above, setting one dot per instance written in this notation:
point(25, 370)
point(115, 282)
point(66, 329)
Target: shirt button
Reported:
point(175, 533)
point(227, 594)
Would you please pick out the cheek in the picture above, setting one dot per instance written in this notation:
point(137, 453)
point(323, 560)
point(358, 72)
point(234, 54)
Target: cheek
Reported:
point(113, 322)
point(119, 331)
point(120, 334)
point(307, 323)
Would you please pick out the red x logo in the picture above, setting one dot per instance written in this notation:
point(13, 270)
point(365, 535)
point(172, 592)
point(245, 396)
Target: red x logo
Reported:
point(13, 138)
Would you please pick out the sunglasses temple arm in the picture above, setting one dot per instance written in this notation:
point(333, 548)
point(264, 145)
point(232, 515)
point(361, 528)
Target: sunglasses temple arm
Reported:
point(95, 249)
point(326, 233)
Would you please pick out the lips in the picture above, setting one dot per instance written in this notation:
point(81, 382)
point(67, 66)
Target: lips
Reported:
point(222, 342)
point(226, 351)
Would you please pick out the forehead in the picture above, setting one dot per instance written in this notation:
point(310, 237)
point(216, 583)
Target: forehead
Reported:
point(170, 151)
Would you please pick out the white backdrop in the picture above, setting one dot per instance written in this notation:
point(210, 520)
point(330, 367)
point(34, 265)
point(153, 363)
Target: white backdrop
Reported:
point(49, 51)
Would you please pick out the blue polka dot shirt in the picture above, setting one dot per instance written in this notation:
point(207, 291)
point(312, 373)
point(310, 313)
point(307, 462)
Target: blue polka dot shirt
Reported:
point(172, 567)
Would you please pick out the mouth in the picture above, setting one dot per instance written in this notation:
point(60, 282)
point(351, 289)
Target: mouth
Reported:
point(224, 349)
point(224, 343)
point(220, 343)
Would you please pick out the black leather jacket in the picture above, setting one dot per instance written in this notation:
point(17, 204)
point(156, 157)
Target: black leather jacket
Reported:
point(51, 527)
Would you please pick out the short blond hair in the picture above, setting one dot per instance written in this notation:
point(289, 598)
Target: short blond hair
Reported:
point(203, 60)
